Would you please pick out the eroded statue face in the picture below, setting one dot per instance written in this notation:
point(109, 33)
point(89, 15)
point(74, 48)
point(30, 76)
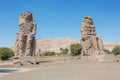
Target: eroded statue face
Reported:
point(88, 20)
point(27, 16)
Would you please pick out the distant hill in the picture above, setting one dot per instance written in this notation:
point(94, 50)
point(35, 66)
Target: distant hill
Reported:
point(63, 42)
point(111, 45)
point(54, 44)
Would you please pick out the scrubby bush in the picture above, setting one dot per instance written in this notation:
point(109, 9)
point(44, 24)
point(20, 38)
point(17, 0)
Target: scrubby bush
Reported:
point(106, 51)
point(75, 49)
point(48, 53)
point(64, 51)
point(116, 50)
point(6, 53)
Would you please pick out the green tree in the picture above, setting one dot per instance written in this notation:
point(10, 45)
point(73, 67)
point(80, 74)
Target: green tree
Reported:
point(64, 51)
point(75, 49)
point(6, 53)
point(106, 51)
point(48, 53)
point(116, 50)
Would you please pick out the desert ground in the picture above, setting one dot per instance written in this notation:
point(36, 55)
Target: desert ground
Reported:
point(62, 68)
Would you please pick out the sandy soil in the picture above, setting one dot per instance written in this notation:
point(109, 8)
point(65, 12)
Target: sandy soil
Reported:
point(64, 69)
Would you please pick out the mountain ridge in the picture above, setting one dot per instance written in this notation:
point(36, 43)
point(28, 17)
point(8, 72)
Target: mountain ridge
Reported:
point(47, 44)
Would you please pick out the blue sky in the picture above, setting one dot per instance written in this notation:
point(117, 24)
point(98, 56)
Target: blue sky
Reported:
point(60, 18)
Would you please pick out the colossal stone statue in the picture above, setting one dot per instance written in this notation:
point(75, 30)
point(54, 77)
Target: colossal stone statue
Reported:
point(25, 41)
point(91, 43)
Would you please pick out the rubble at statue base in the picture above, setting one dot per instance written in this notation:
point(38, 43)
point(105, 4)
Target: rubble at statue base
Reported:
point(25, 41)
point(91, 43)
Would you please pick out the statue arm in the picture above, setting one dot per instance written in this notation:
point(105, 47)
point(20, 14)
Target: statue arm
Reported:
point(18, 32)
point(34, 29)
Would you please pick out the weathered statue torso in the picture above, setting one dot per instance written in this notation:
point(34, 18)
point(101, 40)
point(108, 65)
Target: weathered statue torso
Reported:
point(87, 27)
point(27, 24)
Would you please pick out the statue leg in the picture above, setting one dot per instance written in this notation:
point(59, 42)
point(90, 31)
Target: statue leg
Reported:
point(16, 52)
point(100, 43)
point(22, 44)
point(33, 46)
point(29, 45)
point(22, 41)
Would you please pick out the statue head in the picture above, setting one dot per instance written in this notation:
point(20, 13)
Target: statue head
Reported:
point(26, 17)
point(88, 20)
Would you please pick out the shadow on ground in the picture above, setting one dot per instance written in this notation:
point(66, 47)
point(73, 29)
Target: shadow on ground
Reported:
point(8, 70)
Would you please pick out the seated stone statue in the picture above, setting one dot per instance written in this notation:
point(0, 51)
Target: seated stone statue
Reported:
point(91, 43)
point(25, 42)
